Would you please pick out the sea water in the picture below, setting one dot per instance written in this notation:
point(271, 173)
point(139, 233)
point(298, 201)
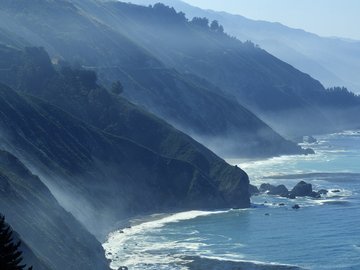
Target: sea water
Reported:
point(322, 234)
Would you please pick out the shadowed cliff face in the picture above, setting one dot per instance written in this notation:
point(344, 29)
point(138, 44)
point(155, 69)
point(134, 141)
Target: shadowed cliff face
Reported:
point(109, 46)
point(98, 177)
point(102, 178)
point(77, 92)
point(29, 258)
point(52, 238)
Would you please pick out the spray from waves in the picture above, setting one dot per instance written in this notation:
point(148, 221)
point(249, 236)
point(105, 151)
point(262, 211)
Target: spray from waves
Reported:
point(258, 169)
point(341, 192)
point(355, 133)
point(157, 246)
point(177, 217)
point(328, 151)
point(135, 248)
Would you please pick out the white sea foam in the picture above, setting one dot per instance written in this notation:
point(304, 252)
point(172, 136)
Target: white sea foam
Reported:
point(338, 202)
point(258, 169)
point(152, 245)
point(324, 152)
point(144, 251)
point(145, 226)
point(350, 133)
point(342, 193)
point(148, 252)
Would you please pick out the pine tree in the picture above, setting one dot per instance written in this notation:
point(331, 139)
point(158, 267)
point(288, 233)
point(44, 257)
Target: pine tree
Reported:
point(10, 255)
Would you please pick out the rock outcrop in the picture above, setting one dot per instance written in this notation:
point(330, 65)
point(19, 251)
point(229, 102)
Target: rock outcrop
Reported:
point(280, 190)
point(301, 189)
point(309, 139)
point(253, 190)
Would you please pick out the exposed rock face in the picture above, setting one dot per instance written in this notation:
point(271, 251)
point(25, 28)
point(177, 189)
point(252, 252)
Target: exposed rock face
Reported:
point(315, 195)
point(309, 151)
point(309, 139)
point(323, 191)
point(280, 190)
point(291, 196)
point(265, 187)
point(253, 190)
point(302, 189)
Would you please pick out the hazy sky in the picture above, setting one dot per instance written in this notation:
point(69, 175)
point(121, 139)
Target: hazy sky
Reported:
point(324, 17)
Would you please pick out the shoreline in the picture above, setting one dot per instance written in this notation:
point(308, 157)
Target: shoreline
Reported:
point(132, 225)
point(196, 262)
point(132, 256)
point(138, 220)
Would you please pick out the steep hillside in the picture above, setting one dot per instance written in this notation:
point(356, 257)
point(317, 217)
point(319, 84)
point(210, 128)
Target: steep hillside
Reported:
point(333, 61)
point(98, 177)
point(76, 92)
point(106, 45)
point(288, 99)
point(52, 238)
point(29, 258)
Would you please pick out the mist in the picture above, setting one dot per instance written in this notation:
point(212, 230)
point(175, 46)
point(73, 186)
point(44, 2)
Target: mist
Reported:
point(111, 111)
point(328, 59)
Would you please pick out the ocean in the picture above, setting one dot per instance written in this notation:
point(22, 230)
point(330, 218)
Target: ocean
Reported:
point(323, 234)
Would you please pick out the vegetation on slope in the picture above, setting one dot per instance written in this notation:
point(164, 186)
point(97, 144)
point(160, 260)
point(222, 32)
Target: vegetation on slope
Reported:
point(44, 227)
point(75, 160)
point(291, 101)
point(110, 47)
point(10, 254)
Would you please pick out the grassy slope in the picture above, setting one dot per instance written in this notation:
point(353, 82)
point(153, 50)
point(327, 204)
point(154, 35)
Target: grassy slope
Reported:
point(290, 100)
point(52, 234)
point(98, 176)
point(185, 102)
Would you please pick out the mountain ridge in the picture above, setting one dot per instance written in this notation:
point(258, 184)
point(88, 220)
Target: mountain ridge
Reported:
point(151, 84)
point(289, 100)
point(65, 150)
point(279, 39)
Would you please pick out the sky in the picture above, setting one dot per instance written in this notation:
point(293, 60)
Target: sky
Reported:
point(339, 18)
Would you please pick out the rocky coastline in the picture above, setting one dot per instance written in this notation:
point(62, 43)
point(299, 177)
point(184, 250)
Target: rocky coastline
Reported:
point(301, 189)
